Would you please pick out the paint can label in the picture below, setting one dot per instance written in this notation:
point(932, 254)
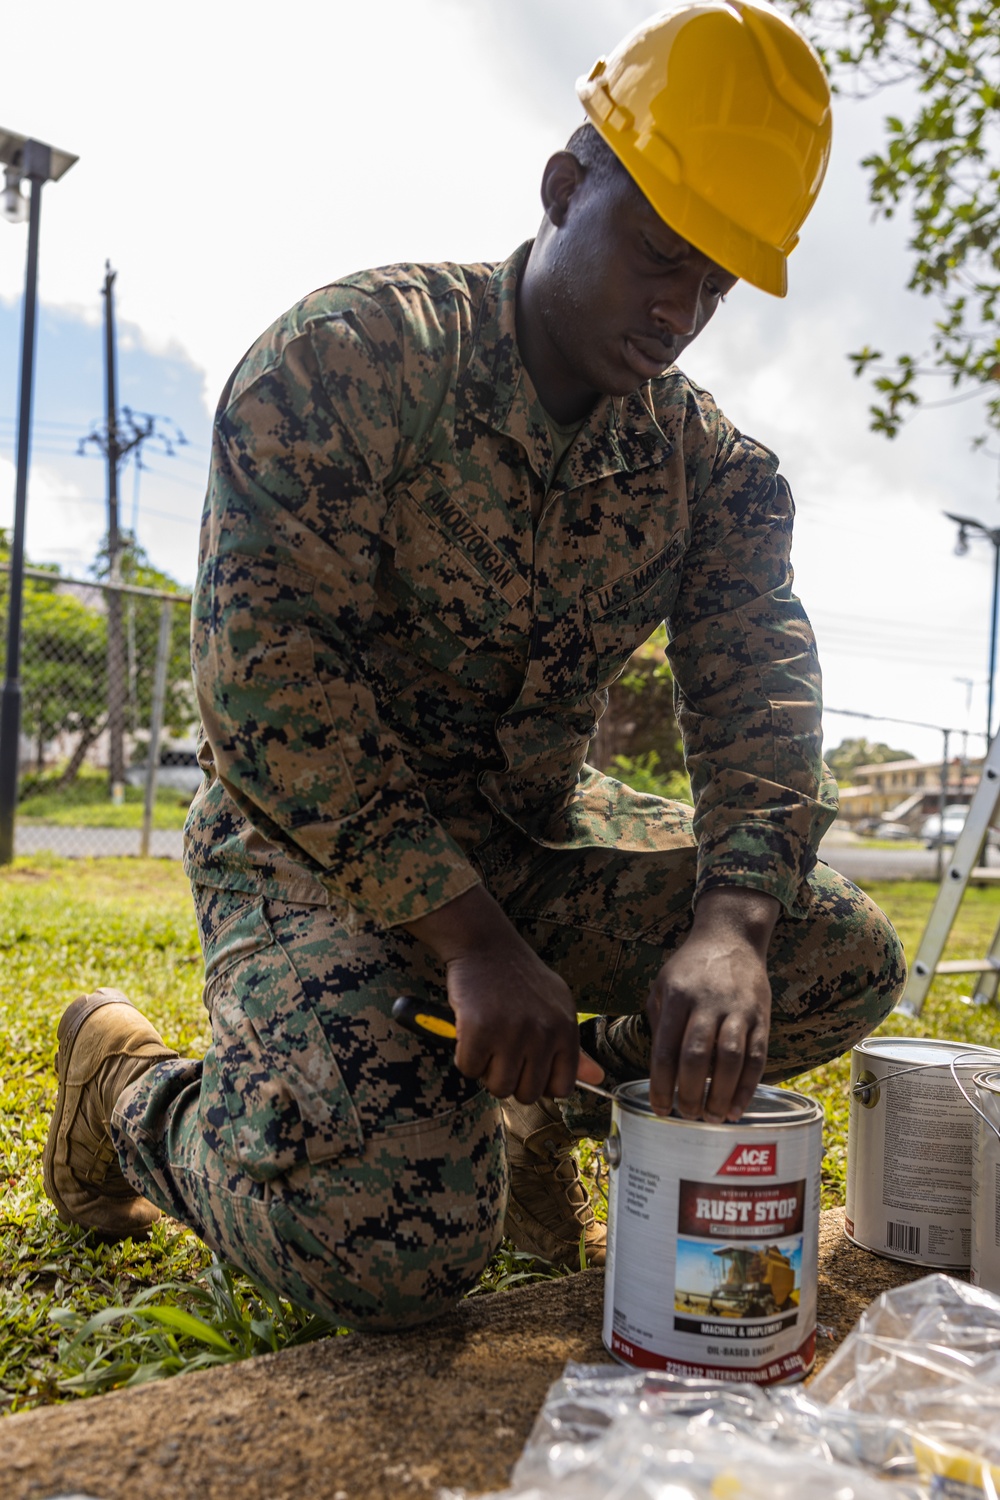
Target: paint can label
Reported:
point(714, 1274)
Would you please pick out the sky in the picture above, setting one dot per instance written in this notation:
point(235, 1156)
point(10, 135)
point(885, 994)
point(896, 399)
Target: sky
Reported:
point(232, 159)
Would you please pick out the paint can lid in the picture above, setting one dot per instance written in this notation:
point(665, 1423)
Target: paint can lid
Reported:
point(769, 1108)
point(989, 1081)
point(926, 1052)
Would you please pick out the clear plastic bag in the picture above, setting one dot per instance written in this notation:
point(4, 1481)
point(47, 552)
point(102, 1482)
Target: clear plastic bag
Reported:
point(589, 1400)
point(927, 1355)
point(908, 1409)
point(606, 1433)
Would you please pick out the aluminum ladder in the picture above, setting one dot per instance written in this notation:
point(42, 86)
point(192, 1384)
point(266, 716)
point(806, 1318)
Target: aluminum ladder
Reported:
point(962, 869)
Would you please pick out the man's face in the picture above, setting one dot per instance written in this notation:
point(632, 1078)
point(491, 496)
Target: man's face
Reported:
point(616, 295)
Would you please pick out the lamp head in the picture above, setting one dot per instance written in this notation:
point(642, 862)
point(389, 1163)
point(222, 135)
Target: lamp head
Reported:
point(962, 545)
point(13, 203)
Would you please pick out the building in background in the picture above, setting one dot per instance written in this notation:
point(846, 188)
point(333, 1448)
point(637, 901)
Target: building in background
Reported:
point(906, 791)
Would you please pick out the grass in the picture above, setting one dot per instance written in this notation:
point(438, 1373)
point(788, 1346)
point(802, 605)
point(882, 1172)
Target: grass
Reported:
point(910, 844)
point(85, 803)
point(79, 1317)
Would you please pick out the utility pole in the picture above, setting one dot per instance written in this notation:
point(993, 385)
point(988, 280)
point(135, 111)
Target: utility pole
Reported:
point(120, 435)
point(116, 637)
point(942, 801)
point(967, 524)
point(33, 161)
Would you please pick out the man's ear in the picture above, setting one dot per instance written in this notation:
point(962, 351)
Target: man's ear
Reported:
point(562, 176)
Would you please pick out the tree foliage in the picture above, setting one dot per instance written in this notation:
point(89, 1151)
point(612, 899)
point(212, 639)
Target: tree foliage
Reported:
point(142, 625)
point(940, 160)
point(851, 753)
point(64, 667)
point(639, 722)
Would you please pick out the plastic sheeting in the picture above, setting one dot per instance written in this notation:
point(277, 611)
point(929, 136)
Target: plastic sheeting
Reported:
point(908, 1409)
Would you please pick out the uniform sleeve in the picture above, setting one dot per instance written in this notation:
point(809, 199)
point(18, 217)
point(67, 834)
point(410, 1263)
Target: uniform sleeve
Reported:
point(748, 685)
point(302, 452)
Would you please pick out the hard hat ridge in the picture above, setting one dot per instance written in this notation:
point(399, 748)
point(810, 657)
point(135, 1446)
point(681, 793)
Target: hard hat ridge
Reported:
point(719, 110)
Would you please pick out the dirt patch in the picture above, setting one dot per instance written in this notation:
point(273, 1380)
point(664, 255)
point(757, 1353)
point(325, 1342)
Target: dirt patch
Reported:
point(849, 1280)
point(25, 875)
point(364, 1418)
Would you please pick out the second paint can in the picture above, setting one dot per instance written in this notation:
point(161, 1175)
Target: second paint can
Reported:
point(713, 1239)
point(909, 1149)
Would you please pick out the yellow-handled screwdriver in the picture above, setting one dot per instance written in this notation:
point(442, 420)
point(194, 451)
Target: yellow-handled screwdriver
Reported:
point(436, 1023)
point(425, 1018)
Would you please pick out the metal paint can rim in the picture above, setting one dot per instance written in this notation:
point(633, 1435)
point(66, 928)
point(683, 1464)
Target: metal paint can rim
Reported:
point(937, 1052)
point(769, 1109)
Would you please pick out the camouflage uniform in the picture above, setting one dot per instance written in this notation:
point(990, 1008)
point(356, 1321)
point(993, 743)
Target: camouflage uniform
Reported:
point(399, 673)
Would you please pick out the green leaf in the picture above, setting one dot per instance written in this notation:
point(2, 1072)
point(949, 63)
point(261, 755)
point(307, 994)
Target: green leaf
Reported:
point(185, 1323)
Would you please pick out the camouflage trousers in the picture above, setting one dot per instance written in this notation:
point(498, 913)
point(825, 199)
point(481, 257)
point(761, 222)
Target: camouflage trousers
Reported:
point(350, 1166)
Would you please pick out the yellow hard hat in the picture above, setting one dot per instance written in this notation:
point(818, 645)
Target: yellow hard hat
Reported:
point(719, 111)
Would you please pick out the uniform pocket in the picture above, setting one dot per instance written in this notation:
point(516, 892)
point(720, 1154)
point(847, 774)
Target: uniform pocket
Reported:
point(281, 1100)
point(625, 611)
point(449, 586)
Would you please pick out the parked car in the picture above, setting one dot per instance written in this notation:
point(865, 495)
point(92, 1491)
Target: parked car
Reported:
point(934, 831)
point(178, 770)
point(889, 828)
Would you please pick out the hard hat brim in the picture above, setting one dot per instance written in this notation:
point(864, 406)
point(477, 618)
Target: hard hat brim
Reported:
point(696, 220)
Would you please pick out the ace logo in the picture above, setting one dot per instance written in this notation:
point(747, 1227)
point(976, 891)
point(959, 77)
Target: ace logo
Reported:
point(751, 1161)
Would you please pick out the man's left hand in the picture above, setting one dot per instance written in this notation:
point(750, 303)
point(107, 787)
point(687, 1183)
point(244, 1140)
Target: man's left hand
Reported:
point(710, 1009)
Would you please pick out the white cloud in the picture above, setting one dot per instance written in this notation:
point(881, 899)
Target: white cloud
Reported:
point(61, 525)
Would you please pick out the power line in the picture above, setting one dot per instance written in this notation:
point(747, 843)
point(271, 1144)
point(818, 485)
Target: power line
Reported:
point(857, 713)
point(190, 519)
point(189, 484)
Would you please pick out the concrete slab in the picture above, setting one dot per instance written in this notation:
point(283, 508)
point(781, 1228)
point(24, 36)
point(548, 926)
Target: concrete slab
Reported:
point(362, 1418)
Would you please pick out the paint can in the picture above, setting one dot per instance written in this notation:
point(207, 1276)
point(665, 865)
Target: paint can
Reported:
point(984, 1269)
point(909, 1148)
point(713, 1238)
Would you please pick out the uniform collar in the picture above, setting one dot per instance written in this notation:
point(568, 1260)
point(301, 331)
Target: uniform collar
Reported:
point(620, 436)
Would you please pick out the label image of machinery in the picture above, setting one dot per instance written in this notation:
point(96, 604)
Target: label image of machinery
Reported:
point(749, 1286)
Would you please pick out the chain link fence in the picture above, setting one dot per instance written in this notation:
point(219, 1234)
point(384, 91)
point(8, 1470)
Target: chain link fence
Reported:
point(75, 713)
point(108, 755)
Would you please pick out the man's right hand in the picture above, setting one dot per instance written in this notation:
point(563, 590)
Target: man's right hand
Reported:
point(515, 1018)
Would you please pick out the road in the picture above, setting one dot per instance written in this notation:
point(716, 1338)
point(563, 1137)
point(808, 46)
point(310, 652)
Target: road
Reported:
point(862, 864)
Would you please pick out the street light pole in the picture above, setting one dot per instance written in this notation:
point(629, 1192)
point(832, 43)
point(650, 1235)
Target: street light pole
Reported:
point(965, 525)
point(116, 643)
point(994, 537)
point(38, 163)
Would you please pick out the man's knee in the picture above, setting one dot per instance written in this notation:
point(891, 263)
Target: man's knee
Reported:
point(395, 1239)
point(844, 976)
point(389, 1273)
point(863, 953)
point(886, 962)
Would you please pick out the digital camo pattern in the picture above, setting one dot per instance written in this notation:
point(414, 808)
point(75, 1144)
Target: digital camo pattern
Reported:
point(319, 1145)
point(399, 673)
point(390, 655)
point(348, 1163)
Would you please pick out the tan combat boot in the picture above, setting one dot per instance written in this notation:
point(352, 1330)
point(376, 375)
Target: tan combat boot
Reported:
point(104, 1045)
point(549, 1206)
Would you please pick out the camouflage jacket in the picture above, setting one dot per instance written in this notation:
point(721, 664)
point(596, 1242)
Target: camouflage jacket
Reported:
point(389, 654)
